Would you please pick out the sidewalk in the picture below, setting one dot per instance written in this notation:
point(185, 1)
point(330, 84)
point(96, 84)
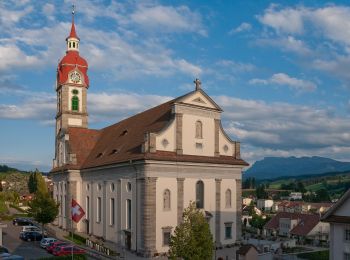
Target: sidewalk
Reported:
point(124, 254)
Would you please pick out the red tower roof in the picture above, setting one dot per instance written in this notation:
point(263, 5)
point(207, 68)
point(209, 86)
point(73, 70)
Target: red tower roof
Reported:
point(73, 33)
point(72, 61)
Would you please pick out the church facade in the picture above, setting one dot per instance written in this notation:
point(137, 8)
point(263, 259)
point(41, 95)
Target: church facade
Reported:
point(135, 178)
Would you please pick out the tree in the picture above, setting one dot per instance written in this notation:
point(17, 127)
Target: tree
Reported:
point(261, 193)
point(192, 238)
point(43, 208)
point(36, 182)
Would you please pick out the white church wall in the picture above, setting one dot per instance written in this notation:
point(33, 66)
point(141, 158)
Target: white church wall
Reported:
point(165, 140)
point(189, 142)
point(164, 217)
point(209, 196)
point(228, 214)
point(225, 146)
point(198, 99)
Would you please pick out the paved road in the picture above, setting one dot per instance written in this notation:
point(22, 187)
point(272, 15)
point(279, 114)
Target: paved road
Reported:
point(30, 250)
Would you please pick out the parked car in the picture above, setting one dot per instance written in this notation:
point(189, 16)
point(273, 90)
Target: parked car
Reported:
point(33, 228)
point(68, 250)
point(31, 236)
point(3, 250)
point(52, 246)
point(22, 222)
point(46, 241)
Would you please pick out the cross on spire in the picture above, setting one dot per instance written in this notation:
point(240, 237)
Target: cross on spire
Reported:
point(73, 10)
point(198, 84)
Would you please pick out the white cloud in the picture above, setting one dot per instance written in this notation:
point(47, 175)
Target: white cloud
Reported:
point(287, 43)
point(287, 20)
point(168, 19)
point(285, 80)
point(243, 27)
point(282, 128)
point(11, 56)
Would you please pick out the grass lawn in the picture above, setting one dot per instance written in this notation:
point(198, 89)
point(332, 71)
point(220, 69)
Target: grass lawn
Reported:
point(320, 255)
point(3, 207)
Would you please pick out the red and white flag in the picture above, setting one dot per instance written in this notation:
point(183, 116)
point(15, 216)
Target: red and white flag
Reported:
point(77, 211)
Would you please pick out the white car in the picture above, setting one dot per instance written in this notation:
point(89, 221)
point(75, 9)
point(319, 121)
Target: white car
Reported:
point(46, 241)
point(32, 228)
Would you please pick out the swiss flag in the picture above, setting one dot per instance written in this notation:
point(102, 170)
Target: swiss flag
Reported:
point(77, 211)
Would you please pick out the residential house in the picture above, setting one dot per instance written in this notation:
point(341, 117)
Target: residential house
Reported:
point(264, 204)
point(304, 227)
point(247, 252)
point(338, 216)
point(247, 201)
point(295, 196)
point(289, 206)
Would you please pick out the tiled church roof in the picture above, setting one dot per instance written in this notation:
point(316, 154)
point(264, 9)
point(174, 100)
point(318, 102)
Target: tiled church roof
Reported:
point(123, 141)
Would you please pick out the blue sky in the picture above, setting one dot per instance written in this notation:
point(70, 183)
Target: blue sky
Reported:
point(280, 70)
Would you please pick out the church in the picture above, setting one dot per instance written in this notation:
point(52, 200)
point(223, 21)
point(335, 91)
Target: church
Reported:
point(135, 178)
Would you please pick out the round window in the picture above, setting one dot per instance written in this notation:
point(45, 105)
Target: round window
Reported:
point(75, 91)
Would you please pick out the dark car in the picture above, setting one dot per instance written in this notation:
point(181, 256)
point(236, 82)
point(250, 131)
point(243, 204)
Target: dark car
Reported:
point(3, 250)
point(53, 245)
point(22, 222)
point(31, 236)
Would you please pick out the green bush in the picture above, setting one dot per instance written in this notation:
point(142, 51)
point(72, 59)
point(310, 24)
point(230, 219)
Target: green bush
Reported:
point(320, 255)
point(76, 239)
point(68, 257)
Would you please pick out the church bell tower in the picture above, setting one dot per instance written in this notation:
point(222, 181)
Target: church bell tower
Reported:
point(71, 87)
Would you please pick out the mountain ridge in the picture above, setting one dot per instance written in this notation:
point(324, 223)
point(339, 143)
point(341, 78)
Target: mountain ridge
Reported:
point(276, 167)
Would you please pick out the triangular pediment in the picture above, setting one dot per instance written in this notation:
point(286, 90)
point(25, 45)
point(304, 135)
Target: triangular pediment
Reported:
point(199, 98)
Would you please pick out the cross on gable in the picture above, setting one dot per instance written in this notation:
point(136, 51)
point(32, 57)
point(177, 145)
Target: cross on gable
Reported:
point(198, 84)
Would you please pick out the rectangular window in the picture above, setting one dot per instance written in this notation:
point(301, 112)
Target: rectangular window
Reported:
point(228, 230)
point(166, 238)
point(128, 214)
point(347, 234)
point(98, 217)
point(111, 212)
point(87, 207)
point(346, 256)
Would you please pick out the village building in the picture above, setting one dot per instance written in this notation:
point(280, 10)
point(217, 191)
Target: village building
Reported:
point(338, 218)
point(135, 178)
point(306, 228)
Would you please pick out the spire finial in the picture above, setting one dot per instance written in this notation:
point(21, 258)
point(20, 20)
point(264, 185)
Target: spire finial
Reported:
point(198, 83)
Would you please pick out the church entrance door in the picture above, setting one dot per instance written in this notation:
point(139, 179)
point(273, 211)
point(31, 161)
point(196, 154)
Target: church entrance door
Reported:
point(128, 240)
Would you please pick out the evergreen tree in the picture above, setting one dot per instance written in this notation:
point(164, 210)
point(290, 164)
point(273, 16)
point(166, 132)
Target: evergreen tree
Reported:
point(36, 182)
point(261, 193)
point(192, 239)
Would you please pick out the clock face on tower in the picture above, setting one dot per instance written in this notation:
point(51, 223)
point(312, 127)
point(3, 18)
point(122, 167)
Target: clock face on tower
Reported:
point(75, 77)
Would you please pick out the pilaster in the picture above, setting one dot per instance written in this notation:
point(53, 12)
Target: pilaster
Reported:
point(216, 138)
point(179, 118)
point(239, 209)
point(148, 218)
point(218, 211)
point(180, 199)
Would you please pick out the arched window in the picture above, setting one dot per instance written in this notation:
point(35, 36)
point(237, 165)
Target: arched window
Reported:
point(228, 198)
point(200, 194)
point(166, 200)
point(199, 129)
point(75, 103)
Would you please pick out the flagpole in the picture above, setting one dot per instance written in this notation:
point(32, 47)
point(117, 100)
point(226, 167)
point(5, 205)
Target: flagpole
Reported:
point(72, 237)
